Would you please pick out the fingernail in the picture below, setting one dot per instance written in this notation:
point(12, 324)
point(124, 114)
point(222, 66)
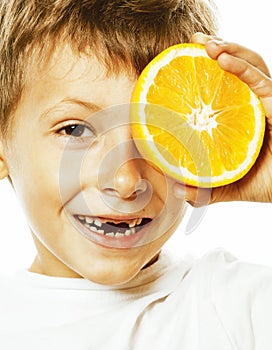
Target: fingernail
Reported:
point(200, 38)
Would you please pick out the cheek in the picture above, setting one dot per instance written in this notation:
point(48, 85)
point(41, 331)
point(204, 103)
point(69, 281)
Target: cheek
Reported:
point(78, 170)
point(173, 208)
point(35, 179)
point(161, 188)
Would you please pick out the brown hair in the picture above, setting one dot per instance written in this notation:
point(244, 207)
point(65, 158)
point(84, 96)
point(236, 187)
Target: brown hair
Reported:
point(123, 34)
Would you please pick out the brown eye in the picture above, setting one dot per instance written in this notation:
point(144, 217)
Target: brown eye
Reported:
point(76, 130)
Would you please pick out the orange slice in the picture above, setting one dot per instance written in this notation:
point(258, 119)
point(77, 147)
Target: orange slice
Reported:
point(199, 124)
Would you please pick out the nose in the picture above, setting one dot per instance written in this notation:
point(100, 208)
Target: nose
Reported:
point(120, 172)
point(127, 181)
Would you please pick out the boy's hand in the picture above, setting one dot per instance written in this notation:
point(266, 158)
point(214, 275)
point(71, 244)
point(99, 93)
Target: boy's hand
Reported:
point(248, 66)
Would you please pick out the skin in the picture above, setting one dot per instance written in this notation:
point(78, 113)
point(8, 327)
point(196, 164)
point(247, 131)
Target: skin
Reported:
point(250, 68)
point(61, 250)
point(40, 153)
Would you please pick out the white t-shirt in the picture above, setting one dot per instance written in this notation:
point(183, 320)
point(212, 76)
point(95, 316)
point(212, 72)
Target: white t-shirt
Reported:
point(213, 303)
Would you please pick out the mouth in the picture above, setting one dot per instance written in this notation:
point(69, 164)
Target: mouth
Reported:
point(112, 232)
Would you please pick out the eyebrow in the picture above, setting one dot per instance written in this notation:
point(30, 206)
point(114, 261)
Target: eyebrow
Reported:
point(92, 107)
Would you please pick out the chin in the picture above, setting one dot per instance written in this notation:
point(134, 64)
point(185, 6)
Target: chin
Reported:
point(116, 275)
point(110, 279)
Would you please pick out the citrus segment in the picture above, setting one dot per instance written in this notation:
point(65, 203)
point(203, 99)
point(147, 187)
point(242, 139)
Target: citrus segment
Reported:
point(198, 123)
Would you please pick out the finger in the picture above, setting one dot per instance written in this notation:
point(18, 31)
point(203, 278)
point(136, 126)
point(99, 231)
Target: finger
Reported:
point(203, 39)
point(200, 38)
point(257, 81)
point(215, 47)
point(199, 197)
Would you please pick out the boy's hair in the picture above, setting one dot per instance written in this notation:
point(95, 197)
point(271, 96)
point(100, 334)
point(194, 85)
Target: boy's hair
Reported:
point(122, 34)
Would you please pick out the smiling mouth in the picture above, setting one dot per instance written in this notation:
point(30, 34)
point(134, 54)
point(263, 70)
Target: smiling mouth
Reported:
point(113, 229)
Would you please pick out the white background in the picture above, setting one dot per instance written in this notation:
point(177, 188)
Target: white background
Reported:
point(242, 228)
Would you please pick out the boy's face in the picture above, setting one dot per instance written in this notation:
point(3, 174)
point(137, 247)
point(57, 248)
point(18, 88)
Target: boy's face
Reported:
point(95, 207)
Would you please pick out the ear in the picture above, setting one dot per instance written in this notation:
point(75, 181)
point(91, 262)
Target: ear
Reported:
point(3, 165)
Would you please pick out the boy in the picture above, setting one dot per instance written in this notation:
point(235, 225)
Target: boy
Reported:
point(99, 214)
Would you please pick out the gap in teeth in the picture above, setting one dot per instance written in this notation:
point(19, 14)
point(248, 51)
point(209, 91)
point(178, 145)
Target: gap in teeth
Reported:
point(97, 226)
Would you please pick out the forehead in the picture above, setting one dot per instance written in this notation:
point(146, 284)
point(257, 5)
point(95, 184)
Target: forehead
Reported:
point(67, 75)
point(64, 66)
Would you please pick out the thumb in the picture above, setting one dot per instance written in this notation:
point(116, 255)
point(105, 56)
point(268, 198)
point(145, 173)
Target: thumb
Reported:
point(199, 197)
point(196, 196)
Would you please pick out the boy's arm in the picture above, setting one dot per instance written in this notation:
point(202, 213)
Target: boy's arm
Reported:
point(251, 69)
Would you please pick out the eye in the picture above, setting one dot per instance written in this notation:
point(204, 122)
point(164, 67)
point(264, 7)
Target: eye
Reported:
point(76, 130)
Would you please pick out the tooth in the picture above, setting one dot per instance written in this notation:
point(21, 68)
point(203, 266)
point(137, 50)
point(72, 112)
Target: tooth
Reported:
point(93, 228)
point(82, 218)
point(89, 220)
point(133, 230)
point(139, 221)
point(98, 223)
point(127, 232)
point(100, 231)
point(132, 223)
point(119, 234)
point(135, 222)
point(110, 234)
